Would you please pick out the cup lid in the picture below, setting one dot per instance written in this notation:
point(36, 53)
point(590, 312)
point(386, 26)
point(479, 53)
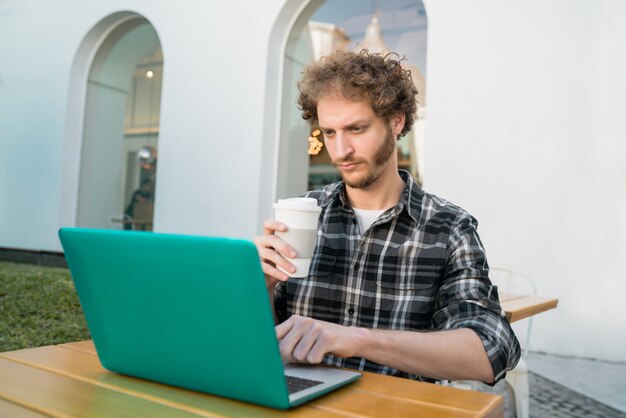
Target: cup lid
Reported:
point(298, 203)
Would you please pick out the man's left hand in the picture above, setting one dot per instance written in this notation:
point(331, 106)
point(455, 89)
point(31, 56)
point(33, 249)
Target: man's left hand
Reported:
point(307, 340)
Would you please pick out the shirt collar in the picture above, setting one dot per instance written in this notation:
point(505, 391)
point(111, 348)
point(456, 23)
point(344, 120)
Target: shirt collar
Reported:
point(412, 196)
point(410, 199)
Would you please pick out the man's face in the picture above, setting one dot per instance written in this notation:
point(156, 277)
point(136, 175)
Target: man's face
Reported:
point(359, 142)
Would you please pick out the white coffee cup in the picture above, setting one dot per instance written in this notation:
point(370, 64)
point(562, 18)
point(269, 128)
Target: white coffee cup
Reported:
point(300, 214)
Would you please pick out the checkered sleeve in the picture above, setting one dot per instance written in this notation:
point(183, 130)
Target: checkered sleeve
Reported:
point(467, 299)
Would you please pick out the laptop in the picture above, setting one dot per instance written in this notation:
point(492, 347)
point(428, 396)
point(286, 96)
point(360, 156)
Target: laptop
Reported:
point(187, 311)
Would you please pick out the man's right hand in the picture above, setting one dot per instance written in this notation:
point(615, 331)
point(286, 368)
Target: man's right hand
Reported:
point(273, 252)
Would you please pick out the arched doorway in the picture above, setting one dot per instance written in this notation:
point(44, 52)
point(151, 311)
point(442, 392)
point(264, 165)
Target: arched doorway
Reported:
point(319, 29)
point(119, 143)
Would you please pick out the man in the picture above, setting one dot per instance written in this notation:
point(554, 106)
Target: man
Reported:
point(399, 280)
point(145, 194)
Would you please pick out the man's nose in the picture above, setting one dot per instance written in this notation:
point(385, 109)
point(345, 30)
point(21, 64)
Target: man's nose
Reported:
point(343, 146)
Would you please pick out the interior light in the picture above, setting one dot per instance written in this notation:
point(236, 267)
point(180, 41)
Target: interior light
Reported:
point(149, 74)
point(315, 145)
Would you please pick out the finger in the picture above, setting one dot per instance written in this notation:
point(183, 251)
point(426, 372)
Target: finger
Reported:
point(290, 339)
point(283, 328)
point(270, 257)
point(281, 246)
point(309, 339)
point(316, 353)
point(273, 273)
point(272, 225)
point(287, 345)
point(272, 241)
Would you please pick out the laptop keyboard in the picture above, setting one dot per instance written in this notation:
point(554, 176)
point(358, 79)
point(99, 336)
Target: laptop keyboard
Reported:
point(296, 384)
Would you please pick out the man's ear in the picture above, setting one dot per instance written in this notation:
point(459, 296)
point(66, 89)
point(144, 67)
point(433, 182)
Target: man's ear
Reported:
point(397, 123)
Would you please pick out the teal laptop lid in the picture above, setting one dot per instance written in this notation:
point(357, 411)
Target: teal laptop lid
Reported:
point(183, 310)
point(187, 311)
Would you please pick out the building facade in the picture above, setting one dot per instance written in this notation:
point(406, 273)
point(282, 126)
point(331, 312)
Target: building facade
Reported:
point(525, 130)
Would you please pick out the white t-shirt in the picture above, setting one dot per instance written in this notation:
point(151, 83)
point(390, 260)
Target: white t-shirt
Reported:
point(366, 218)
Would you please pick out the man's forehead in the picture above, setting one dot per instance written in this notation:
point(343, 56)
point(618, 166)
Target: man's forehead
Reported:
point(342, 92)
point(338, 109)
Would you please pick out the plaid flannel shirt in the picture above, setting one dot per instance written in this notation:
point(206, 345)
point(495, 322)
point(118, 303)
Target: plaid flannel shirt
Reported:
point(419, 267)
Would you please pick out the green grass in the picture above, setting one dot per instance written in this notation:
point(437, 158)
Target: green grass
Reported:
point(38, 306)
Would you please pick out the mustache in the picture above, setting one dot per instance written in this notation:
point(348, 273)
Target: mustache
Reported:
point(350, 160)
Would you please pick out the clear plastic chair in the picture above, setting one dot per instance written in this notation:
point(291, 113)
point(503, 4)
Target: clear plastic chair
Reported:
point(511, 282)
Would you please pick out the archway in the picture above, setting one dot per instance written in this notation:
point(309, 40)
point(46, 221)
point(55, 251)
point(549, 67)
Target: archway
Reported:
point(113, 131)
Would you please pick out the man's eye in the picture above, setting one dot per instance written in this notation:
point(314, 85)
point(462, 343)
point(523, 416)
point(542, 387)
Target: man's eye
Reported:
point(356, 129)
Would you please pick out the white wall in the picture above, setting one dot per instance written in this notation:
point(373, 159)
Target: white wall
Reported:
point(526, 131)
point(211, 114)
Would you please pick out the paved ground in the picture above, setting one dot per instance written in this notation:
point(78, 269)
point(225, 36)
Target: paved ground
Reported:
point(551, 400)
point(601, 380)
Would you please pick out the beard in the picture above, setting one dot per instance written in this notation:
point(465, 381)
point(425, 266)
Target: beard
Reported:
point(374, 167)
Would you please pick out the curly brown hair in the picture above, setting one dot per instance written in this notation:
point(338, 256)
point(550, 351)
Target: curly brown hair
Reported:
point(356, 76)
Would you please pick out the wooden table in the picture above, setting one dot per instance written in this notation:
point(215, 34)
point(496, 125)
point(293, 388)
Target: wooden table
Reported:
point(518, 307)
point(67, 381)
